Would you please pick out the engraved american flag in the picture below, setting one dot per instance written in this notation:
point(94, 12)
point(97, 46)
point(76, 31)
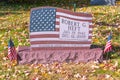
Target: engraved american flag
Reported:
point(45, 28)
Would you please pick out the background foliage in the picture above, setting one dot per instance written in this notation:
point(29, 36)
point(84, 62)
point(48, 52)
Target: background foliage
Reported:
point(64, 3)
point(14, 19)
point(14, 22)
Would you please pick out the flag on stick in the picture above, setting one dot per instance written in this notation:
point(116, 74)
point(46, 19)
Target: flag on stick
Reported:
point(12, 55)
point(108, 46)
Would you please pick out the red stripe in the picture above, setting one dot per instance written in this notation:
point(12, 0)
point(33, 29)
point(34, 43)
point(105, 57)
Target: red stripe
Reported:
point(60, 42)
point(12, 54)
point(57, 29)
point(89, 37)
point(108, 47)
point(90, 31)
point(90, 26)
point(57, 23)
point(50, 36)
point(45, 36)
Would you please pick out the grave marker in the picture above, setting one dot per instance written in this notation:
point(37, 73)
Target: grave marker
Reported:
point(58, 28)
point(59, 35)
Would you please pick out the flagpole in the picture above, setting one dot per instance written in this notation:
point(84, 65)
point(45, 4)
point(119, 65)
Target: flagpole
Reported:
point(74, 7)
point(9, 33)
point(107, 56)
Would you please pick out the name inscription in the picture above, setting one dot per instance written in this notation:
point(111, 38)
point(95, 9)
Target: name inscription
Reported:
point(73, 29)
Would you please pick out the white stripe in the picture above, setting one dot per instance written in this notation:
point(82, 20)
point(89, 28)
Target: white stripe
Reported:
point(8, 49)
point(72, 16)
point(40, 33)
point(53, 39)
point(90, 29)
point(44, 32)
point(60, 45)
point(57, 19)
point(90, 34)
point(90, 23)
point(57, 26)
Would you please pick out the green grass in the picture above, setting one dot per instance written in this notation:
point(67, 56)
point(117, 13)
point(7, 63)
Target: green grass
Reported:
point(15, 18)
point(14, 22)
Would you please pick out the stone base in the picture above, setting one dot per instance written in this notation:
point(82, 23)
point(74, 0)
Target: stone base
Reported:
point(26, 56)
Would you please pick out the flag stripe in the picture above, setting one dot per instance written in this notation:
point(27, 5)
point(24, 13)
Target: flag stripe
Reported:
point(45, 32)
point(45, 36)
point(57, 29)
point(51, 39)
point(50, 36)
point(107, 47)
point(12, 53)
point(48, 33)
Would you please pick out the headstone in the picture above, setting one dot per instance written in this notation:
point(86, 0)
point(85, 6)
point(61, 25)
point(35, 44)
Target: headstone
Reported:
point(102, 2)
point(59, 28)
point(59, 35)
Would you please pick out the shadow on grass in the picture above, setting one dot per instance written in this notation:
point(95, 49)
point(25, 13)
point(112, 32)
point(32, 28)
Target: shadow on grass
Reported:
point(8, 13)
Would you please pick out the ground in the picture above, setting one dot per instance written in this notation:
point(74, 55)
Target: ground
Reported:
point(14, 22)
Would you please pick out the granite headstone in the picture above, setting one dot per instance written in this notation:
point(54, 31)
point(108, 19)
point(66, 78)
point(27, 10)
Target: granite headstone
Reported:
point(59, 35)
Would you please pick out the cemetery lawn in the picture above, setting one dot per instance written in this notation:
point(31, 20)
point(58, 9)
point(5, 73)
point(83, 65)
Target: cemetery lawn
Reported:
point(14, 22)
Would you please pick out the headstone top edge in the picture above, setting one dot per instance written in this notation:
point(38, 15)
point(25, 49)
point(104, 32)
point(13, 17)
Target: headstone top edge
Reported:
point(86, 13)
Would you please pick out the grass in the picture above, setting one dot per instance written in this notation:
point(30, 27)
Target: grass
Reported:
point(14, 22)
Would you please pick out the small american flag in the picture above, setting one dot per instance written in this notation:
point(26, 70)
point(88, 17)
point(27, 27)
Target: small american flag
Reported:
point(108, 46)
point(45, 28)
point(12, 55)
